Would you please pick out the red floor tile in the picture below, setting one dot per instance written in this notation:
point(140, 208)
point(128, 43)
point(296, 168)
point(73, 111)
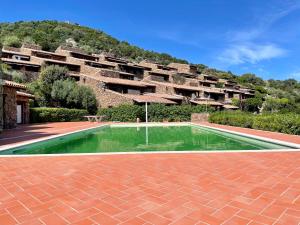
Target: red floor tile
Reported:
point(229, 188)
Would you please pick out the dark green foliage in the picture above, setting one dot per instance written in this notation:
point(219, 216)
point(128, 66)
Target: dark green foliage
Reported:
point(279, 105)
point(51, 34)
point(41, 115)
point(123, 113)
point(156, 113)
point(48, 76)
point(249, 78)
point(251, 104)
point(55, 89)
point(285, 123)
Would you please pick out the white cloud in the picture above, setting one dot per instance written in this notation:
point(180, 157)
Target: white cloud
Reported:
point(264, 23)
point(250, 53)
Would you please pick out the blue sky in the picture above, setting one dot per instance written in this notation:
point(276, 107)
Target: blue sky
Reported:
point(237, 35)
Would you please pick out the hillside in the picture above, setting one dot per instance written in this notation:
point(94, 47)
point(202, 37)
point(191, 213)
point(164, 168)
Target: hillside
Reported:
point(51, 34)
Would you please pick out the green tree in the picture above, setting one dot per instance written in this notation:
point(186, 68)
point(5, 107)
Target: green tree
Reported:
point(48, 76)
point(68, 94)
point(252, 104)
point(250, 78)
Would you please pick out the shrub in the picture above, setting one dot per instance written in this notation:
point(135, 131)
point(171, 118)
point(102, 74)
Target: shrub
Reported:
point(285, 123)
point(156, 112)
point(41, 115)
point(12, 41)
point(123, 113)
point(238, 119)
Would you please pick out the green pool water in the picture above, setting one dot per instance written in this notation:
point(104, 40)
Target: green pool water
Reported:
point(142, 139)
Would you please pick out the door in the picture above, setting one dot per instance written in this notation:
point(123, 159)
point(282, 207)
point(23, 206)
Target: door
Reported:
point(19, 113)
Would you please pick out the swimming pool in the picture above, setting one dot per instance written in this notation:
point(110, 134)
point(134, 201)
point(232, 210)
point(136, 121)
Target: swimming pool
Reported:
point(142, 138)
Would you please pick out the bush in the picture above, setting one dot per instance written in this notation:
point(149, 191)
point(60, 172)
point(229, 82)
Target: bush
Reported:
point(156, 112)
point(238, 119)
point(12, 41)
point(123, 113)
point(285, 123)
point(41, 115)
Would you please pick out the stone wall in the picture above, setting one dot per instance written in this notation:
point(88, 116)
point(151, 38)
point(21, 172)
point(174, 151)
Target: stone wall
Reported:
point(10, 107)
point(199, 117)
point(106, 98)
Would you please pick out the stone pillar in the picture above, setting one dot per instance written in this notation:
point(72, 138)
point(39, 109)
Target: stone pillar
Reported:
point(199, 117)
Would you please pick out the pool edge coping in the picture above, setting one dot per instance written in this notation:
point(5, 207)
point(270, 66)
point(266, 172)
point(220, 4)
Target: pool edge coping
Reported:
point(271, 140)
point(275, 141)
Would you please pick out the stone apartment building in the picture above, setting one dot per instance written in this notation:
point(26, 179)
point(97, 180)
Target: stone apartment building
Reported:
point(117, 81)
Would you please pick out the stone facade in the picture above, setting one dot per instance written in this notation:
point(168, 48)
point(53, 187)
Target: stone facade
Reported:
point(199, 117)
point(108, 98)
point(12, 96)
point(173, 79)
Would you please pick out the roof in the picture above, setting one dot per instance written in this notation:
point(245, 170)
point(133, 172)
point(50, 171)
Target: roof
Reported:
point(13, 84)
point(24, 94)
point(123, 81)
point(48, 53)
point(14, 52)
point(208, 81)
point(167, 96)
point(179, 86)
point(214, 91)
point(150, 99)
point(60, 62)
point(100, 62)
point(230, 107)
point(232, 90)
point(117, 71)
point(159, 72)
point(214, 103)
point(15, 61)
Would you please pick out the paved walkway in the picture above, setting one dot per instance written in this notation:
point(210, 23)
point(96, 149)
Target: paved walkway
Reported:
point(215, 188)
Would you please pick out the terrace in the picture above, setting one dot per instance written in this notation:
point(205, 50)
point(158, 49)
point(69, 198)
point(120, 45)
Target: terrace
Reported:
point(20, 65)
point(125, 86)
point(73, 68)
point(48, 55)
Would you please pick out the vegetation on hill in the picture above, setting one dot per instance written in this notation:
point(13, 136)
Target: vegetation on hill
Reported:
point(276, 94)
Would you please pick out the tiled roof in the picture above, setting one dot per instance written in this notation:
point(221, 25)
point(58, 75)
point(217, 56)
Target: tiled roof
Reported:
point(122, 81)
point(24, 94)
point(60, 62)
point(214, 91)
point(208, 81)
point(13, 84)
point(207, 103)
point(150, 99)
point(167, 96)
point(179, 86)
point(48, 53)
point(230, 107)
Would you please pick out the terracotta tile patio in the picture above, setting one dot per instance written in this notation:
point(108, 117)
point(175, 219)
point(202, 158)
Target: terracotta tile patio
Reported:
point(215, 188)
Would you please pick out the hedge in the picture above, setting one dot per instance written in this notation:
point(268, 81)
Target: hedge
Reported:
point(156, 112)
point(40, 115)
point(288, 123)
